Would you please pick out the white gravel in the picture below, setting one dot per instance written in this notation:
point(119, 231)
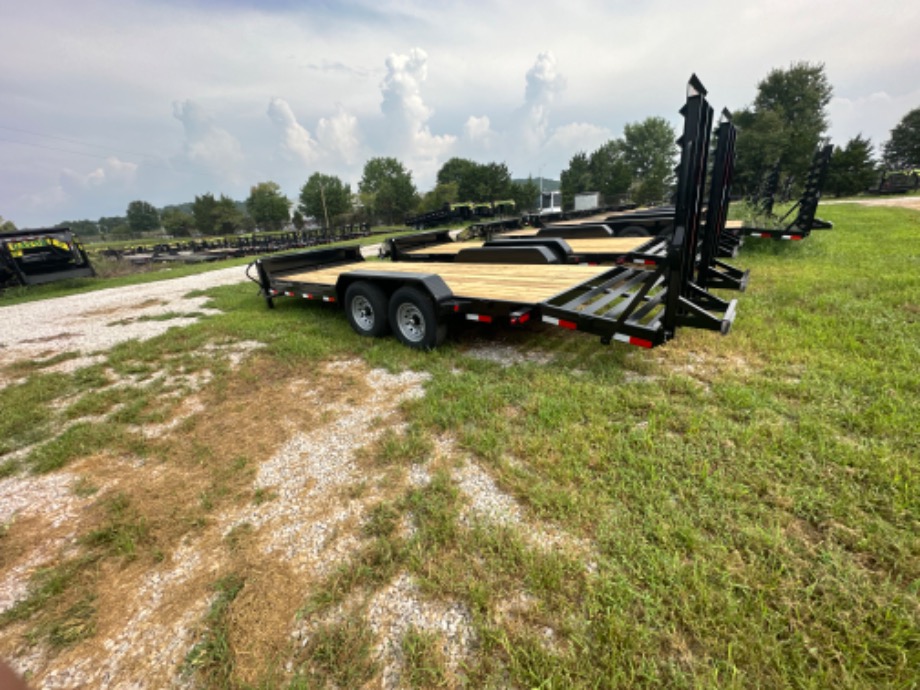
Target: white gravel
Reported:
point(97, 321)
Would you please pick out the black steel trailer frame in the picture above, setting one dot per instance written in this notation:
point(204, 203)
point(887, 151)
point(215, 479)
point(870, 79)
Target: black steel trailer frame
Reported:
point(639, 306)
point(805, 208)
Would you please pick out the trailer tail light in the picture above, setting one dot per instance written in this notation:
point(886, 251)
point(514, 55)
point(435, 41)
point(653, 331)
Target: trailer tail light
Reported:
point(562, 323)
point(632, 340)
point(481, 318)
point(519, 319)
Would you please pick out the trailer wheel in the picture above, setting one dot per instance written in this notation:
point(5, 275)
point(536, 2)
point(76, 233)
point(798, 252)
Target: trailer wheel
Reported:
point(414, 319)
point(634, 231)
point(366, 308)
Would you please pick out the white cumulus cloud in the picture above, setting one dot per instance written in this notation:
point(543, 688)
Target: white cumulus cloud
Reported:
point(206, 144)
point(407, 115)
point(339, 137)
point(296, 139)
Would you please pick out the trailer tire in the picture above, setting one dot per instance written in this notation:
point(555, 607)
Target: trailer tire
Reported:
point(366, 309)
point(414, 319)
point(634, 231)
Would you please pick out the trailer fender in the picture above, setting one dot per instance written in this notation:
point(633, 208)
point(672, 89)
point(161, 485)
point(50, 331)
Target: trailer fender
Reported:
point(429, 283)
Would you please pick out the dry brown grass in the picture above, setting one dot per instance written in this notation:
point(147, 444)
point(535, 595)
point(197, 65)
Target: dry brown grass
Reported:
point(195, 481)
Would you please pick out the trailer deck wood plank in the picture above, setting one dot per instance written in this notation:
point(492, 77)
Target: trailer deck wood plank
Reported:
point(522, 283)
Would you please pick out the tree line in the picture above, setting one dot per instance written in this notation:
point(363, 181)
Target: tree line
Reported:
point(385, 194)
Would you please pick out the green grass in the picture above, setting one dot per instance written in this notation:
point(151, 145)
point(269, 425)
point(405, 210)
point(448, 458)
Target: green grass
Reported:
point(211, 659)
point(744, 509)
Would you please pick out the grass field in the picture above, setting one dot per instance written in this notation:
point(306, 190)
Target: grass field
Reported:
point(739, 511)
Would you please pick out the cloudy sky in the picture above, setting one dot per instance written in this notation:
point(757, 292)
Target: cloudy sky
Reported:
point(107, 101)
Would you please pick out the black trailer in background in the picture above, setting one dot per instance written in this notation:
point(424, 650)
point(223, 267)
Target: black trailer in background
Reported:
point(33, 257)
point(804, 220)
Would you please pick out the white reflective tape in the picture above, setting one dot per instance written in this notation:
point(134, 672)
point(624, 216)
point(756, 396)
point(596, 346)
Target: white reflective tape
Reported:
point(550, 319)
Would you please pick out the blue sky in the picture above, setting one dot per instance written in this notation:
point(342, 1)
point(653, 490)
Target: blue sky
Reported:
point(104, 102)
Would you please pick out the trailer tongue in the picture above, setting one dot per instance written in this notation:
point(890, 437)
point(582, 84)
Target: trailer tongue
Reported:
point(638, 305)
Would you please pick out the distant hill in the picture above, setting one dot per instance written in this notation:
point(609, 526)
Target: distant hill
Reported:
point(548, 184)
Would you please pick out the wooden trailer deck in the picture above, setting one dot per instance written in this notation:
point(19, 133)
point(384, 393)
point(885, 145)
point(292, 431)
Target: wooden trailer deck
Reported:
point(522, 283)
point(619, 245)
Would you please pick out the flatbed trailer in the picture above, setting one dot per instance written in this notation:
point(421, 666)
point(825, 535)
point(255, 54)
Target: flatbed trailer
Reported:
point(34, 257)
point(640, 306)
point(805, 208)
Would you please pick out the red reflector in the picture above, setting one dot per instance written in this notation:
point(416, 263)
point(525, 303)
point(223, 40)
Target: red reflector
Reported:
point(330, 299)
point(640, 342)
point(485, 318)
point(765, 235)
point(796, 237)
point(649, 262)
point(571, 325)
point(523, 318)
point(456, 307)
point(289, 294)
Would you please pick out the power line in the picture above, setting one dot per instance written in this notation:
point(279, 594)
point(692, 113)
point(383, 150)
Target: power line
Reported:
point(103, 158)
point(72, 141)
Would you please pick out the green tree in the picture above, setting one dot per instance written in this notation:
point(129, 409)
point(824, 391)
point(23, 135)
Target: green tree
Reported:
point(298, 220)
point(7, 225)
point(446, 193)
point(267, 206)
point(902, 151)
point(142, 217)
point(113, 225)
point(204, 210)
point(325, 197)
point(387, 189)
point(228, 218)
point(83, 228)
point(785, 124)
point(852, 169)
point(493, 182)
point(610, 171)
point(178, 223)
point(576, 178)
point(461, 172)
point(649, 150)
point(222, 216)
point(525, 194)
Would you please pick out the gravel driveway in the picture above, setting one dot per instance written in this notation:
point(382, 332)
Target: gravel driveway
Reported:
point(97, 321)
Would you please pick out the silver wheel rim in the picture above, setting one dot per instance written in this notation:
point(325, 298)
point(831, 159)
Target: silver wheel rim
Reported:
point(410, 321)
point(362, 312)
